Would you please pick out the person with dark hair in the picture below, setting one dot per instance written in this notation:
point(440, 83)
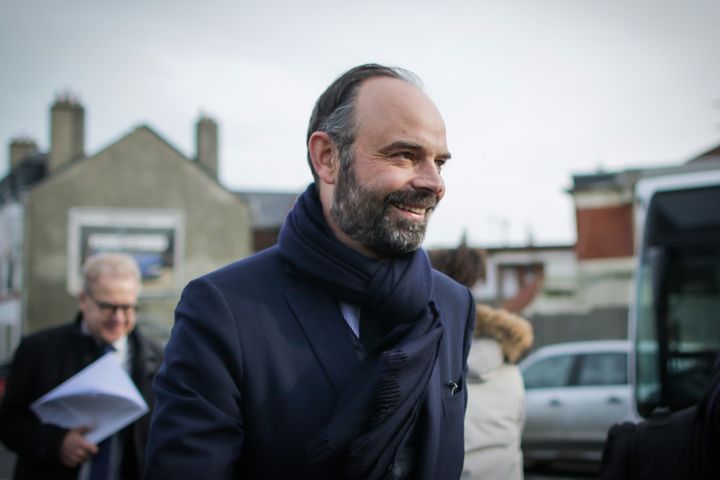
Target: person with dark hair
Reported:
point(339, 352)
point(45, 359)
point(463, 264)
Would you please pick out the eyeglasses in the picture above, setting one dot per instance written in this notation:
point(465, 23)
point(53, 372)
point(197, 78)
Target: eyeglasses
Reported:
point(111, 308)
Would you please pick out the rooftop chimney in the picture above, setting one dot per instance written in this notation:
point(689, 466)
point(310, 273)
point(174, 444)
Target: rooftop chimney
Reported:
point(67, 131)
point(207, 144)
point(20, 149)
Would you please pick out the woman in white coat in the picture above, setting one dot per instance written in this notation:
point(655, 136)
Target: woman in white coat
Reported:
point(496, 396)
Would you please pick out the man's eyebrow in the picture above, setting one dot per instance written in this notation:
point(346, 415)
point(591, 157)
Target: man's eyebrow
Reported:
point(405, 145)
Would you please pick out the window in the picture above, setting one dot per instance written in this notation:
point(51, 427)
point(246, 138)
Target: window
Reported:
point(549, 372)
point(603, 369)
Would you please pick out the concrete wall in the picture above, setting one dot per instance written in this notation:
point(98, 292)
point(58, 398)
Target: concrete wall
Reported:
point(140, 171)
point(601, 324)
point(605, 283)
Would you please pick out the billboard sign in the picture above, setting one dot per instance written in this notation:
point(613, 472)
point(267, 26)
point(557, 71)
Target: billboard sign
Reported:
point(153, 237)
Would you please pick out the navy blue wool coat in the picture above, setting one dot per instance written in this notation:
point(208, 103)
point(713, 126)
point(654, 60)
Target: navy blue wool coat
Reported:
point(256, 361)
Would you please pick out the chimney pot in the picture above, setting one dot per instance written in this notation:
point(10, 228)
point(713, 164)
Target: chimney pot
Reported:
point(67, 131)
point(20, 149)
point(207, 144)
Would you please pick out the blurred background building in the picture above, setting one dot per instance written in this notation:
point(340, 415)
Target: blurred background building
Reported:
point(139, 194)
point(582, 291)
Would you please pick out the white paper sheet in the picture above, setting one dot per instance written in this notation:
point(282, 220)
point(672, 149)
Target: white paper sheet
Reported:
point(101, 396)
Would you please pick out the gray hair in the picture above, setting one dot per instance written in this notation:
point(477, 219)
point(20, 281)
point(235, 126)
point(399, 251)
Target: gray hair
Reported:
point(334, 111)
point(114, 264)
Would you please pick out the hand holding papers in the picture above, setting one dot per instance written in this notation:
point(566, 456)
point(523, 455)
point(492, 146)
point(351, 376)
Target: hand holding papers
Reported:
point(101, 395)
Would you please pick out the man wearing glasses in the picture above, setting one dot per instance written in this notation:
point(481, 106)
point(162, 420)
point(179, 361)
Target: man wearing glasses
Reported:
point(105, 323)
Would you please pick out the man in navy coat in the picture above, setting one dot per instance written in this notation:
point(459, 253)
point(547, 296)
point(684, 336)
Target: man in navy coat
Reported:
point(339, 352)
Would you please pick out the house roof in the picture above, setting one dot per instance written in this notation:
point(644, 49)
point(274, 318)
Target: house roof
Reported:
point(268, 209)
point(33, 168)
point(605, 180)
point(712, 154)
point(626, 179)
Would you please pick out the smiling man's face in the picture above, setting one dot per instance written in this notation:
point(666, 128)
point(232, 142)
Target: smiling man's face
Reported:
point(390, 182)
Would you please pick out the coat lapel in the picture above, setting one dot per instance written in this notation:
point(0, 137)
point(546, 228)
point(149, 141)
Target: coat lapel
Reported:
point(319, 316)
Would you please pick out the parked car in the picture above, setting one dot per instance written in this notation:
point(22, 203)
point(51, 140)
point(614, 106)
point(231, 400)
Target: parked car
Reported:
point(575, 392)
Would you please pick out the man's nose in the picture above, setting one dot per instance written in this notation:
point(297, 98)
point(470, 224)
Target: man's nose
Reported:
point(118, 314)
point(428, 178)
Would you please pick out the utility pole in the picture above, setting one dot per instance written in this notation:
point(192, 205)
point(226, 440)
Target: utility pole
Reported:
point(504, 227)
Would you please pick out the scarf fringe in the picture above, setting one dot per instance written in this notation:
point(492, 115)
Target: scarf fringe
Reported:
point(388, 389)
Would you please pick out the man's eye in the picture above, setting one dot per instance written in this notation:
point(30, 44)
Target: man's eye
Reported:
point(440, 163)
point(409, 155)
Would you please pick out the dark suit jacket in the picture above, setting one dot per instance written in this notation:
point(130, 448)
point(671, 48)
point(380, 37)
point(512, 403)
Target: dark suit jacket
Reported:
point(43, 361)
point(654, 449)
point(255, 364)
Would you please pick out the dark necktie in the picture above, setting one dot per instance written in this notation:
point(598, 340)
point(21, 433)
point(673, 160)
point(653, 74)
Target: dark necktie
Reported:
point(100, 467)
point(102, 461)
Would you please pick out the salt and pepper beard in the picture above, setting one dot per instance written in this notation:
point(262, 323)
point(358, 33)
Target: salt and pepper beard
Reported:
point(364, 215)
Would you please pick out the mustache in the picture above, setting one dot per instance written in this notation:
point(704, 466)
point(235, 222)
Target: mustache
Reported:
point(417, 198)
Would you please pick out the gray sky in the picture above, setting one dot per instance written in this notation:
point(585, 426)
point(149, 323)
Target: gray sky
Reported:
point(531, 91)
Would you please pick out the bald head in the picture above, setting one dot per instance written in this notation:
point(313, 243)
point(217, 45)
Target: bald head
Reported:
point(394, 109)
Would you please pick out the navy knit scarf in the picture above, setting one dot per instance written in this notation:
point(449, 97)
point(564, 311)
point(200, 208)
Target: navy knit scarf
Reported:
point(376, 414)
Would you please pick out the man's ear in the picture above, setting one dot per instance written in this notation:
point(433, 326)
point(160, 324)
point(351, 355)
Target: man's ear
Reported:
point(82, 300)
point(324, 156)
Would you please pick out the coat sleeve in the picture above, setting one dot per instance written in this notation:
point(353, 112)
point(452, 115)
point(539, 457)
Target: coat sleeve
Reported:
point(20, 429)
point(616, 456)
point(197, 428)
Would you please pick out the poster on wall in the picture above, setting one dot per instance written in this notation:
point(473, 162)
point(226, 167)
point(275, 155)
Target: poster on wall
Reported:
point(153, 237)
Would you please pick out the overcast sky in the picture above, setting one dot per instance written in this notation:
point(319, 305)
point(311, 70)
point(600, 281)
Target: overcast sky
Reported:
point(532, 91)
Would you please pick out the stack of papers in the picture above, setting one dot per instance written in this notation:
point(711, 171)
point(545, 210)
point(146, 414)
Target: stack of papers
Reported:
point(101, 396)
